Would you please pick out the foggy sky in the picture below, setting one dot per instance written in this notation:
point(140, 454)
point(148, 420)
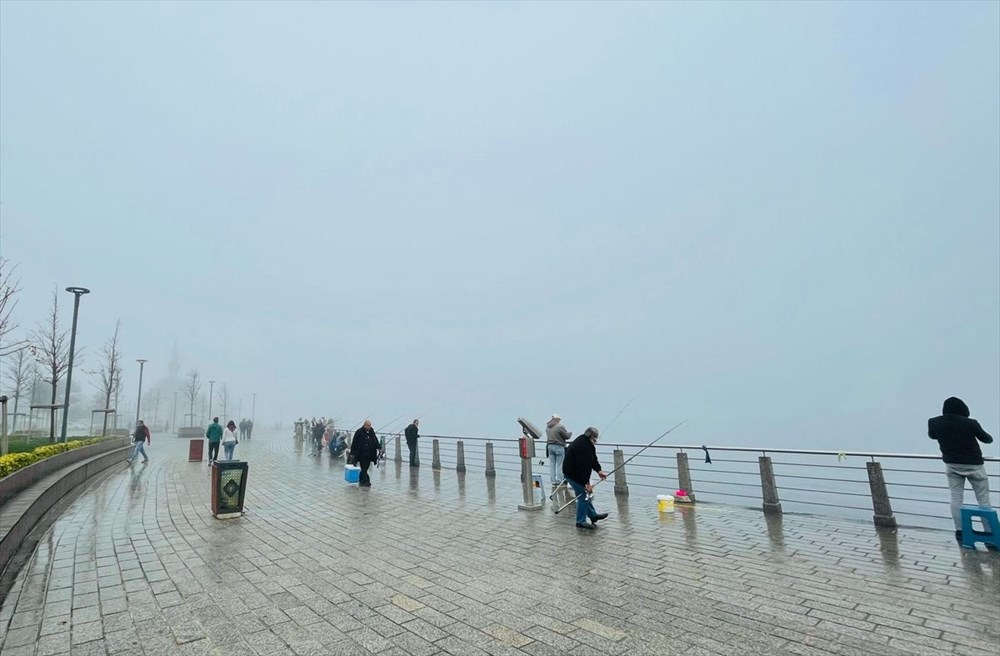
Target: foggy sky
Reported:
point(780, 220)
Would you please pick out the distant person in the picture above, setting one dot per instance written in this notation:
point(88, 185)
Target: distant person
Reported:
point(365, 450)
point(140, 438)
point(412, 435)
point(243, 428)
point(557, 438)
point(317, 437)
point(214, 435)
point(581, 459)
point(300, 429)
point(957, 436)
point(249, 428)
point(230, 439)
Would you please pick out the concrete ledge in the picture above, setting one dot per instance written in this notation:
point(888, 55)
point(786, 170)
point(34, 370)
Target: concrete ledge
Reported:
point(72, 476)
point(14, 483)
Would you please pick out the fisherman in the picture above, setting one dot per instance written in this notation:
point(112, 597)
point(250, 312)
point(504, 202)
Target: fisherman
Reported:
point(581, 459)
point(317, 437)
point(557, 437)
point(957, 436)
point(412, 435)
point(365, 451)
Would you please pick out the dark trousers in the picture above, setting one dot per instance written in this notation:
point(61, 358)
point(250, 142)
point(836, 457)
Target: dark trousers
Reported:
point(213, 451)
point(363, 479)
point(414, 457)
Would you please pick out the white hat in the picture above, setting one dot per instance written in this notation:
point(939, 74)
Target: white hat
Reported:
point(556, 417)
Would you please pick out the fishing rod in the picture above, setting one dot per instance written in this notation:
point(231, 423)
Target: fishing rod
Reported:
point(603, 431)
point(391, 434)
point(630, 458)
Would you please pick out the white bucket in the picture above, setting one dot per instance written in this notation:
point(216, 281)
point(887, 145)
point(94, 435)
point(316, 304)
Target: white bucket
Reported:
point(665, 503)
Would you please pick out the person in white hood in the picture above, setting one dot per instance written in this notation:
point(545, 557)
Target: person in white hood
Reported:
point(557, 437)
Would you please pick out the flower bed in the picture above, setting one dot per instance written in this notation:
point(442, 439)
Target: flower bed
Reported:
point(11, 462)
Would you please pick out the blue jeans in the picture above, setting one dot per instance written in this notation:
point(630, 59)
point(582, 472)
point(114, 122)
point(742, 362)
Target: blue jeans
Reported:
point(140, 447)
point(584, 508)
point(229, 448)
point(557, 453)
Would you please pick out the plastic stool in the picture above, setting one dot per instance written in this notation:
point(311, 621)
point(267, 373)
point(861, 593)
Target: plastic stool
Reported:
point(990, 521)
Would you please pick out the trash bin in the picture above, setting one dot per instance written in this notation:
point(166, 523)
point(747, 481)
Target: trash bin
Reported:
point(196, 450)
point(229, 486)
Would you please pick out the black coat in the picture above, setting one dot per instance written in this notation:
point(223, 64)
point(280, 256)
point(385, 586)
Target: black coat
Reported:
point(581, 459)
point(365, 445)
point(411, 433)
point(956, 434)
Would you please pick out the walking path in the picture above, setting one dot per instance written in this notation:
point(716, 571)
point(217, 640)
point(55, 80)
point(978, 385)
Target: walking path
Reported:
point(427, 563)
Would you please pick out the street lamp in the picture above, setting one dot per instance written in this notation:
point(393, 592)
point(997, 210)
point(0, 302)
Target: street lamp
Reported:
point(77, 293)
point(253, 409)
point(138, 402)
point(211, 393)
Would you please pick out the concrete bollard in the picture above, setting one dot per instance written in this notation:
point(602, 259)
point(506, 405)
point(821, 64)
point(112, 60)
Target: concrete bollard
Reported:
point(621, 483)
point(436, 459)
point(880, 497)
point(490, 469)
point(684, 475)
point(460, 456)
point(768, 486)
point(399, 451)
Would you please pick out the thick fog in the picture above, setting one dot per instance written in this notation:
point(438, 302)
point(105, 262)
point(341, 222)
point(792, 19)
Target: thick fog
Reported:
point(780, 220)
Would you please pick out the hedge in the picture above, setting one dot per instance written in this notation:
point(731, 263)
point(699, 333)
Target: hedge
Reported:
point(11, 462)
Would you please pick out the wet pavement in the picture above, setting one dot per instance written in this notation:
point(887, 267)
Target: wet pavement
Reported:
point(429, 562)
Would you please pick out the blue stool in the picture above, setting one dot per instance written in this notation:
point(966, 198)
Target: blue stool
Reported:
point(990, 521)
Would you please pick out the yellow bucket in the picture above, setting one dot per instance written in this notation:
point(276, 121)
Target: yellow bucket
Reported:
point(665, 503)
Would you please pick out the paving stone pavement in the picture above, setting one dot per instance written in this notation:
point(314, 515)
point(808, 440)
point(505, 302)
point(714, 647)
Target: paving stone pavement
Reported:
point(428, 563)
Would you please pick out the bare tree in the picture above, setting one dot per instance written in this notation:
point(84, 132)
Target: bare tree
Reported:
point(110, 372)
point(223, 396)
point(17, 378)
point(8, 301)
point(192, 389)
point(52, 353)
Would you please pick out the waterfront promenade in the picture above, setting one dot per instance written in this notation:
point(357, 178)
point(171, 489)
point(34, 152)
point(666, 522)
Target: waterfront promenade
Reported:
point(427, 563)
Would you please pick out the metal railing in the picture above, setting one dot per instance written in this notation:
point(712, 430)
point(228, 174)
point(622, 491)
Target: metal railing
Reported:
point(875, 486)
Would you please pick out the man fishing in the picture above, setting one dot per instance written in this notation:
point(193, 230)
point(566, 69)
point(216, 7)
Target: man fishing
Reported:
point(581, 459)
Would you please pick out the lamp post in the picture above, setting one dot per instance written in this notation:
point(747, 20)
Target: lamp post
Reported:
point(173, 417)
point(77, 293)
point(138, 401)
point(211, 393)
point(253, 409)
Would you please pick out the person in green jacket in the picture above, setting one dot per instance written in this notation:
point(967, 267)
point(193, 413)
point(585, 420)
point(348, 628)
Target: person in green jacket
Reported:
point(214, 435)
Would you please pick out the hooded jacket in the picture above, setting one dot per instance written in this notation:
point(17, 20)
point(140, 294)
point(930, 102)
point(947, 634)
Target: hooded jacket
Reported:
point(581, 459)
point(957, 434)
point(214, 432)
point(556, 433)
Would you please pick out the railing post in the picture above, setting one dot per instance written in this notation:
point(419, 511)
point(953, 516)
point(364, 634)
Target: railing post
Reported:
point(880, 497)
point(621, 484)
point(768, 486)
point(490, 469)
point(460, 457)
point(684, 475)
point(399, 452)
point(436, 460)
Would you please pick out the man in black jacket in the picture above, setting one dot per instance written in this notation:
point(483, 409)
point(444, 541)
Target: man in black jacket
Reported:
point(365, 451)
point(317, 436)
point(412, 434)
point(957, 436)
point(581, 459)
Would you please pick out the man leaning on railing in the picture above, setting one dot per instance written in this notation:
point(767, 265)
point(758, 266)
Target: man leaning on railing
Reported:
point(957, 436)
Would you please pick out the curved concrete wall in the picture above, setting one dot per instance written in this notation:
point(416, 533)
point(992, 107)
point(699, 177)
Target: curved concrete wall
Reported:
point(12, 484)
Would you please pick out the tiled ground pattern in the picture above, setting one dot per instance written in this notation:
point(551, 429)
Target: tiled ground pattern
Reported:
point(427, 563)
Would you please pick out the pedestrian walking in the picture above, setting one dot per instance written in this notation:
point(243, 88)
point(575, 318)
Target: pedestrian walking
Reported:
point(141, 437)
point(249, 428)
point(958, 437)
point(365, 451)
point(214, 435)
point(581, 459)
point(412, 435)
point(229, 440)
point(557, 438)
